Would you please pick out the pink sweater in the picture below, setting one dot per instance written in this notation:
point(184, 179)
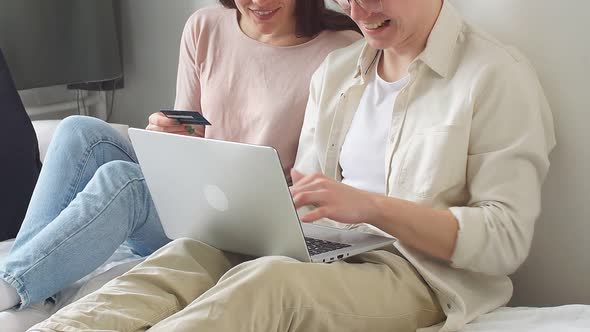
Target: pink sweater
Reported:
point(251, 92)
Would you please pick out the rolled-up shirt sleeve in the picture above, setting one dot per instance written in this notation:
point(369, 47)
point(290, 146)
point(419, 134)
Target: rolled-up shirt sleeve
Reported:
point(511, 136)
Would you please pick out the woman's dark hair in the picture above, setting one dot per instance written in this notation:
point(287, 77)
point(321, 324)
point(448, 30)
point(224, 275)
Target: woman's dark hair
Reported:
point(313, 17)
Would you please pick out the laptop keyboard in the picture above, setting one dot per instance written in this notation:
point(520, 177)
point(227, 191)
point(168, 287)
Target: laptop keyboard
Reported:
point(316, 246)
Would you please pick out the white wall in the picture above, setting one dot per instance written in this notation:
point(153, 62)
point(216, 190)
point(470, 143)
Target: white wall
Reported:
point(151, 31)
point(554, 35)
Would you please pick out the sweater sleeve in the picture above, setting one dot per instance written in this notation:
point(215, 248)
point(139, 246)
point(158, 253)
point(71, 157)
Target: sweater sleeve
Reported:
point(188, 87)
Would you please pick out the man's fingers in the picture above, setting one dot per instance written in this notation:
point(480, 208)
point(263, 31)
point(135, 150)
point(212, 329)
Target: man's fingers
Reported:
point(316, 178)
point(296, 175)
point(311, 197)
point(316, 214)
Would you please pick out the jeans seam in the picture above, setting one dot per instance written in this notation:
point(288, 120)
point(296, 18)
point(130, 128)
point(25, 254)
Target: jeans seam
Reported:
point(83, 227)
point(84, 163)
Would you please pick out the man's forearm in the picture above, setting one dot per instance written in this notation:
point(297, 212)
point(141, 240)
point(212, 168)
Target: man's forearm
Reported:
point(433, 231)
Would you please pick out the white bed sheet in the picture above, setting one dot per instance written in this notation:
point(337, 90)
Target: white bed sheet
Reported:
point(19, 321)
point(570, 318)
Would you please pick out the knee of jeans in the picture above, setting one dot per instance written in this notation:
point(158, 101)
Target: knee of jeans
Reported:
point(80, 126)
point(121, 170)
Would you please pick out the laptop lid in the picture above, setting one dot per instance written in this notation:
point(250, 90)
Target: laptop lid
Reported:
point(231, 196)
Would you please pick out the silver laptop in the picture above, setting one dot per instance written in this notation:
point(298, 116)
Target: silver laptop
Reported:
point(235, 197)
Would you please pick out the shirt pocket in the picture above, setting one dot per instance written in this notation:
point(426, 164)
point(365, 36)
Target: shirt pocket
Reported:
point(434, 161)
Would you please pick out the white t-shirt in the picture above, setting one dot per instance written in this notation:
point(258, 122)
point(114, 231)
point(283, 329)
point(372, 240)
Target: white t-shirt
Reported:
point(362, 158)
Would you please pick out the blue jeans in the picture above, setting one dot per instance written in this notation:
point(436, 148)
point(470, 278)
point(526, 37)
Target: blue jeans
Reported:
point(90, 198)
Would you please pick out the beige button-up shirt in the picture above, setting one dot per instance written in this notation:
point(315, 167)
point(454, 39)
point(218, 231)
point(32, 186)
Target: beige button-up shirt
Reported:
point(470, 132)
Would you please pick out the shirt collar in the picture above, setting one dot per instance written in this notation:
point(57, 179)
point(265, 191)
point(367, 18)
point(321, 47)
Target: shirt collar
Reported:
point(440, 46)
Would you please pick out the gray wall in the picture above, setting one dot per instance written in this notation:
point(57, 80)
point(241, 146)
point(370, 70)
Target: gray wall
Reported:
point(150, 32)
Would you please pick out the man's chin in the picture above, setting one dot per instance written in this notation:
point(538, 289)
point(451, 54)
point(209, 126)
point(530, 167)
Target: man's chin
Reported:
point(378, 44)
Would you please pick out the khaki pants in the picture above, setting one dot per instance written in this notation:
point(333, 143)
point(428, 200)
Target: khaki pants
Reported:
point(189, 286)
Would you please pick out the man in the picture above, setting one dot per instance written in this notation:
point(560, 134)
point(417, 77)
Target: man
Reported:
point(429, 131)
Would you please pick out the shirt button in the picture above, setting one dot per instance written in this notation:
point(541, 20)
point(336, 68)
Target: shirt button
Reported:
point(449, 305)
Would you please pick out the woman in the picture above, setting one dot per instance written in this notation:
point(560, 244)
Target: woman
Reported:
point(91, 196)
point(430, 132)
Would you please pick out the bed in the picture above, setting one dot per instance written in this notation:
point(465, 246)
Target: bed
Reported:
point(570, 318)
point(18, 321)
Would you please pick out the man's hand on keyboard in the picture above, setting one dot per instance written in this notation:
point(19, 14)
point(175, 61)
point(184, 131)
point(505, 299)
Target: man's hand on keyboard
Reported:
point(332, 199)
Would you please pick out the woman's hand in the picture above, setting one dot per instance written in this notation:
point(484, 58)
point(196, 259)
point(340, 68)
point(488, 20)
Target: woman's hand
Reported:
point(159, 122)
point(332, 199)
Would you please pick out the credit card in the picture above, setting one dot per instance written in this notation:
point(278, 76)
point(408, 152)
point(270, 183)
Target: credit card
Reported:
point(186, 117)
